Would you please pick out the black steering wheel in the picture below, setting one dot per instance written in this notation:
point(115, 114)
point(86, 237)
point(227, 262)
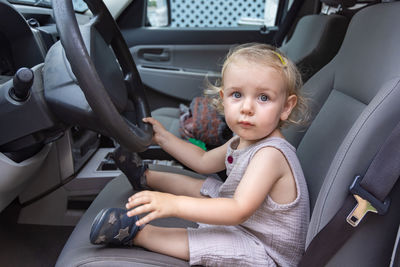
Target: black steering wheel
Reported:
point(94, 59)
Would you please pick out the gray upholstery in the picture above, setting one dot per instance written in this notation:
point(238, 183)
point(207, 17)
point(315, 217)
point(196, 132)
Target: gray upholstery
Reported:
point(360, 91)
point(356, 102)
point(169, 117)
point(79, 252)
point(361, 88)
point(315, 41)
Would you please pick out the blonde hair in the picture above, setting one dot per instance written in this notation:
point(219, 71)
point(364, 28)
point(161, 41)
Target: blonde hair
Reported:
point(270, 56)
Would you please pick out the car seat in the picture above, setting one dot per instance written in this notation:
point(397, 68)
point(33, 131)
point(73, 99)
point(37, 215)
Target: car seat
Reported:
point(315, 41)
point(356, 108)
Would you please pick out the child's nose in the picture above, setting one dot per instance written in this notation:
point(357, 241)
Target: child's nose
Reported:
point(247, 107)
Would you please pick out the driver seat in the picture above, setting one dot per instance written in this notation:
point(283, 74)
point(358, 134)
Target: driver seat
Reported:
point(355, 108)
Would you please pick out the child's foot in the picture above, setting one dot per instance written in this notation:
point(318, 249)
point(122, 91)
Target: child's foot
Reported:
point(113, 226)
point(132, 166)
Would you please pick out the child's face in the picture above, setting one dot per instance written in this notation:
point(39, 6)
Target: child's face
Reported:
point(254, 99)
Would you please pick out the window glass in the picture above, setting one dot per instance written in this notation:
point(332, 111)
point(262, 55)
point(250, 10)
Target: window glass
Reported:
point(219, 13)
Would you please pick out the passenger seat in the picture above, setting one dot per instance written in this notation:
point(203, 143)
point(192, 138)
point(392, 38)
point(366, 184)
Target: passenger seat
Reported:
point(316, 40)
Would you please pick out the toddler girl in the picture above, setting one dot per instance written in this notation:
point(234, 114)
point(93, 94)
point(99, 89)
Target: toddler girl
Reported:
point(259, 215)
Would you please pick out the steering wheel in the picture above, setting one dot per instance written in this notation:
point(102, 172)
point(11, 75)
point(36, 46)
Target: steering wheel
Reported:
point(94, 59)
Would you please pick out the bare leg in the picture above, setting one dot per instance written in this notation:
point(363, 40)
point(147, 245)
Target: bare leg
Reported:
point(177, 184)
point(169, 241)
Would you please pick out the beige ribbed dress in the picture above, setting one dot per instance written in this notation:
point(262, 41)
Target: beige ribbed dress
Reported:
point(273, 236)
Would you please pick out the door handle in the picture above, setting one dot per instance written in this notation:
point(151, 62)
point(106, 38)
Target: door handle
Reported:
point(155, 57)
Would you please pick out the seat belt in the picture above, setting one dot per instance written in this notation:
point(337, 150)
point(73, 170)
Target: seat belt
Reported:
point(369, 193)
point(287, 22)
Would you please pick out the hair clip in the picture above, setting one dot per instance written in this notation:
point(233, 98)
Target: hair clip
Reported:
point(280, 57)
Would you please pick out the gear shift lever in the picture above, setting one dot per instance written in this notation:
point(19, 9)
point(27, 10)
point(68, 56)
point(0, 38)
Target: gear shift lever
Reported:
point(22, 83)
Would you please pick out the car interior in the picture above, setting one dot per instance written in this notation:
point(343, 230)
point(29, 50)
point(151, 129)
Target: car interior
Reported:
point(77, 77)
point(314, 41)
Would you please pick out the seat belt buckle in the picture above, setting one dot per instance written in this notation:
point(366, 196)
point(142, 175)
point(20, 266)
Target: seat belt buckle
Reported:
point(366, 202)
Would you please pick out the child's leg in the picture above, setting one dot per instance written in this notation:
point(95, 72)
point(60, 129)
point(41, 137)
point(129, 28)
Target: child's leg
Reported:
point(177, 184)
point(113, 226)
point(140, 176)
point(169, 241)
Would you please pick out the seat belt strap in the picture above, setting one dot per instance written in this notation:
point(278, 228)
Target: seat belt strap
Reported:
point(369, 193)
point(287, 22)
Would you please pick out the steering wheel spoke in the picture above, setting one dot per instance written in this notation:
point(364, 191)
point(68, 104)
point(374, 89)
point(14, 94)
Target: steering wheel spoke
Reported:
point(97, 55)
point(103, 21)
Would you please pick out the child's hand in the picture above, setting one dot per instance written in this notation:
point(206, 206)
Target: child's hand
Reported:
point(159, 130)
point(157, 204)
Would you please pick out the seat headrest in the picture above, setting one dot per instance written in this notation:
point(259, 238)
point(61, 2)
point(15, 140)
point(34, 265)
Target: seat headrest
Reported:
point(336, 3)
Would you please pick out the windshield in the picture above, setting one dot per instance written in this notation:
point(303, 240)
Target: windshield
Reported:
point(79, 5)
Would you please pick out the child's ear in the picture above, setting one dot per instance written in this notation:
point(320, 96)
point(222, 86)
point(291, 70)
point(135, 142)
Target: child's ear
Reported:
point(221, 95)
point(291, 102)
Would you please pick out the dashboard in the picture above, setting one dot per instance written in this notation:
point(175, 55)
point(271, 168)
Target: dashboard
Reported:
point(26, 34)
point(18, 46)
point(28, 126)
point(6, 61)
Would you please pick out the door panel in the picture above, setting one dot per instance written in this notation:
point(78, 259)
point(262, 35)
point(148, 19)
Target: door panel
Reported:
point(173, 62)
point(179, 71)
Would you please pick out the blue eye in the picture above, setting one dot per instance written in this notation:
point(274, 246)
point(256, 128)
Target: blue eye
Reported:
point(236, 95)
point(263, 98)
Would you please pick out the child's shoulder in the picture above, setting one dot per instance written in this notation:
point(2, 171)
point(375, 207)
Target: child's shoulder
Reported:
point(274, 150)
point(270, 155)
point(275, 143)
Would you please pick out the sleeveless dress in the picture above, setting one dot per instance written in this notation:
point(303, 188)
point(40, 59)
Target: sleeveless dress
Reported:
point(273, 236)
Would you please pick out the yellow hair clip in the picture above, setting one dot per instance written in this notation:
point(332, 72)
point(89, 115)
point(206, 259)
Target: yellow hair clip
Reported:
point(280, 57)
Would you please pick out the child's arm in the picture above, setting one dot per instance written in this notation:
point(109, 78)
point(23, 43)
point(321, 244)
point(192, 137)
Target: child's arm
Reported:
point(267, 167)
point(188, 154)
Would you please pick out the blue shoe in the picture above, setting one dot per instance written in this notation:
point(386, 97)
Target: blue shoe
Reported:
point(132, 166)
point(113, 226)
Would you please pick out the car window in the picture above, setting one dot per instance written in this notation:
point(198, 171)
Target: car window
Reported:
point(211, 13)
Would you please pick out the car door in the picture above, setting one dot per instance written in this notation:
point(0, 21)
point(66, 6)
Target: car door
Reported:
point(175, 57)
